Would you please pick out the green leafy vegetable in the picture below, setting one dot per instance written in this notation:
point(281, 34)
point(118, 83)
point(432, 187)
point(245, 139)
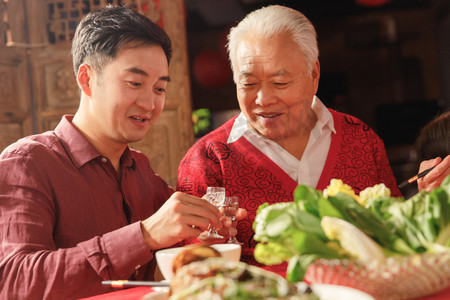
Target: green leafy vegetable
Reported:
point(293, 231)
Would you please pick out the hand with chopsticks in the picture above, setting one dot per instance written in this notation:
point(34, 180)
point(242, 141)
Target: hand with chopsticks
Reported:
point(435, 177)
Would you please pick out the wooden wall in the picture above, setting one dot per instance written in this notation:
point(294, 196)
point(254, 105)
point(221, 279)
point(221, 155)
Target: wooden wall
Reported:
point(37, 84)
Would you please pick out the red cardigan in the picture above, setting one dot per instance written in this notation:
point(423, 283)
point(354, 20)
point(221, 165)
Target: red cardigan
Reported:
point(357, 156)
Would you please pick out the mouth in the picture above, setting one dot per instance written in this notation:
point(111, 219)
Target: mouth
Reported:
point(139, 119)
point(268, 115)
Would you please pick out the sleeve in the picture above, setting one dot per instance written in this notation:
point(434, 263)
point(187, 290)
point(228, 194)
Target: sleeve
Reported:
point(200, 168)
point(31, 265)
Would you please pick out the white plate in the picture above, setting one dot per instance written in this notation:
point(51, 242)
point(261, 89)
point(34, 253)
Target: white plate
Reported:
point(324, 291)
point(338, 292)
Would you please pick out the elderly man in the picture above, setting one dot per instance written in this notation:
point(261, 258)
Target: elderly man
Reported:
point(284, 136)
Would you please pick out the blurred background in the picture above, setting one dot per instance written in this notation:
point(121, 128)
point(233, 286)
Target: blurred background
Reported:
point(385, 62)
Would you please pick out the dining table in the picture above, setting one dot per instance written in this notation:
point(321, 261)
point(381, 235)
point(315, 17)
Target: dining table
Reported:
point(137, 293)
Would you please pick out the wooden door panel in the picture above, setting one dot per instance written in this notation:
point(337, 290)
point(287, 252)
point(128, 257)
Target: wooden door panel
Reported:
point(39, 85)
point(15, 100)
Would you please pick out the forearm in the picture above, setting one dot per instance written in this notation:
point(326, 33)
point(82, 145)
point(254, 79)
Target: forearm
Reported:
point(72, 272)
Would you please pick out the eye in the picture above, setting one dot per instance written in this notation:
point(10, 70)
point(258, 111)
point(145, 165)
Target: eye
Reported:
point(246, 85)
point(280, 84)
point(134, 84)
point(161, 91)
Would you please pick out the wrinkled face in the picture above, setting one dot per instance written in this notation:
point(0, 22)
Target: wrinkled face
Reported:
point(274, 89)
point(128, 96)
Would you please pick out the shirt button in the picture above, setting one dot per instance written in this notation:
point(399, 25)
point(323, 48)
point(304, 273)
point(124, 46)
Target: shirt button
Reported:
point(104, 159)
point(136, 270)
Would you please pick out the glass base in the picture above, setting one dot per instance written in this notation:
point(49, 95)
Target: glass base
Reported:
point(212, 233)
point(233, 240)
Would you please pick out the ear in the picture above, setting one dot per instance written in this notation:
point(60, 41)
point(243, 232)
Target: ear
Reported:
point(315, 75)
point(84, 78)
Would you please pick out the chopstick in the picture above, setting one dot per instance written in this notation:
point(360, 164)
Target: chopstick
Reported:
point(124, 283)
point(414, 178)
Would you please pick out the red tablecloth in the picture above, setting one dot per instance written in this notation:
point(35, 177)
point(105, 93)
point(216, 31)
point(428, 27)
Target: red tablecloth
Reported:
point(138, 292)
point(126, 294)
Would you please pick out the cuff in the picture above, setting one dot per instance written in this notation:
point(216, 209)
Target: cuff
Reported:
point(127, 249)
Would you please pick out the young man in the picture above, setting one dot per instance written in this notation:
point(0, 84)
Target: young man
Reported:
point(77, 205)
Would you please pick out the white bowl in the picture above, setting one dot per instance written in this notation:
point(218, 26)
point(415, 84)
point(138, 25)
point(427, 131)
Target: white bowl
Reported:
point(165, 257)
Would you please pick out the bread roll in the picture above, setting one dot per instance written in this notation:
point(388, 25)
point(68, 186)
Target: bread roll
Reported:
point(195, 252)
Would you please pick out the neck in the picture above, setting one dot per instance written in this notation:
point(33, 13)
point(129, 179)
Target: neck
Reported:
point(113, 151)
point(296, 144)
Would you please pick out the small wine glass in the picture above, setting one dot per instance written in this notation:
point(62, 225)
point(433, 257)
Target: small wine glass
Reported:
point(216, 196)
point(230, 209)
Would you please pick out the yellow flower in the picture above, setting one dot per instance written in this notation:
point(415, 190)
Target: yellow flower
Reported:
point(338, 186)
point(378, 190)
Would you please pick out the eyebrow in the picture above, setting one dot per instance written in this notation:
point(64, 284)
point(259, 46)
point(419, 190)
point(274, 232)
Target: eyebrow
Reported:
point(281, 72)
point(165, 78)
point(278, 73)
point(139, 71)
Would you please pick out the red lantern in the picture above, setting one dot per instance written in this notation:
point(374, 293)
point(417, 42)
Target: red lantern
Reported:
point(372, 3)
point(211, 69)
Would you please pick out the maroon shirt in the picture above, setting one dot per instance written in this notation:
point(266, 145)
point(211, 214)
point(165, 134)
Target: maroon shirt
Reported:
point(63, 221)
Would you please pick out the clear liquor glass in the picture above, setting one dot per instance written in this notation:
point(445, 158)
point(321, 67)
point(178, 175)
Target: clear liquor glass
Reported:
point(216, 196)
point(230, 209)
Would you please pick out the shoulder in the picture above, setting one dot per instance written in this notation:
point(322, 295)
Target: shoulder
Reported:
point(33, 144)
point(346, 118)
point(220, 134)
point(346, 124)
point(30, 160)
point(216, 138)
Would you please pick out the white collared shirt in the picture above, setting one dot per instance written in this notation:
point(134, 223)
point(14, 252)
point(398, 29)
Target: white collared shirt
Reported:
point(309, 168)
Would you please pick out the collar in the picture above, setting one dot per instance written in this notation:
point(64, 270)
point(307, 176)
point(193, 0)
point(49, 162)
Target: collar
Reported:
point(324, 119)
point(78, 147)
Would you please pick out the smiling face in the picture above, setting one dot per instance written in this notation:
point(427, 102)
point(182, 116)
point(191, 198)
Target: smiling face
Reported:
point(274, 89)
point(127, 97)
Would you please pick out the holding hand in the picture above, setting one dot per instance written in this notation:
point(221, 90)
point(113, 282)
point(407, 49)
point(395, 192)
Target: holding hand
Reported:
point(225, 231)
point(182, 217)
point(436, 176)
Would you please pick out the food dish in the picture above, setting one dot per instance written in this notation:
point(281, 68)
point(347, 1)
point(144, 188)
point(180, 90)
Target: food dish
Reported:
point(400, 277)
point(216, 278)
point(202, 272)
point(324, 291)
point(165, 257)
point(193, 253)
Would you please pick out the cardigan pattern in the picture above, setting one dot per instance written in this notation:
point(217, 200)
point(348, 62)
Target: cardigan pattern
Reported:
point(357, 156)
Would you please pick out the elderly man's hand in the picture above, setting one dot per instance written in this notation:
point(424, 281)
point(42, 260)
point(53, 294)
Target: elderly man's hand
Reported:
point(436, 176)
point(226, 224)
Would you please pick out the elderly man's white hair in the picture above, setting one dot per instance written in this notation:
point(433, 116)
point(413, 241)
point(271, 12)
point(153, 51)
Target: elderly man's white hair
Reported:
point(271, 20)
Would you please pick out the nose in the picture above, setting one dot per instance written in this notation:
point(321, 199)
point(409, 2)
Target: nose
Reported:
point(265, 95)
point(146, 101)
